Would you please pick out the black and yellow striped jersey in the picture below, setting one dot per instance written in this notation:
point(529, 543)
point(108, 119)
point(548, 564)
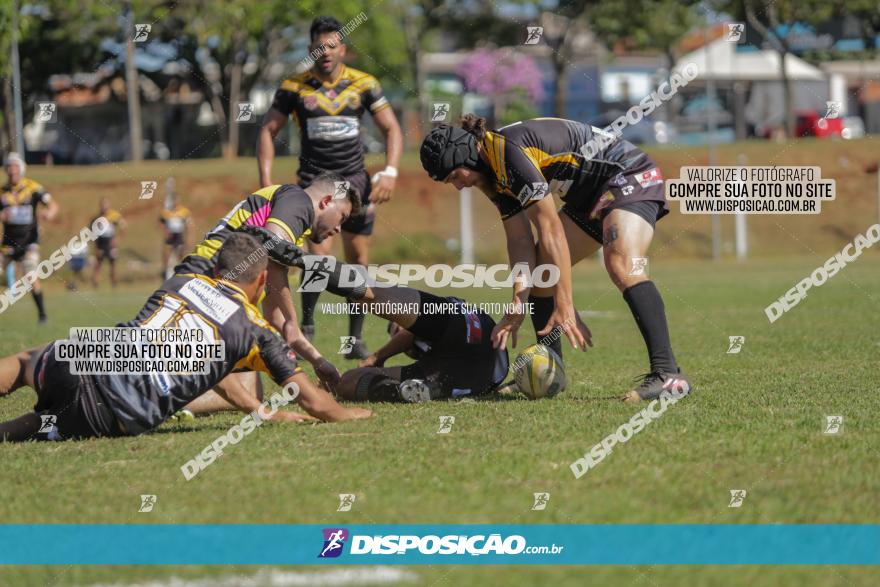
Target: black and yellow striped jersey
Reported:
point(175, 220)
point(287, 206)
point(18, 208)
point(530, 159)
point(114, 220)
point(224, 315)
point(328, 116)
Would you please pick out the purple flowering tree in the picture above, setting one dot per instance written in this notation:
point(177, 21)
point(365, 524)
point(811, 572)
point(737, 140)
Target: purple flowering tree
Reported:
point(510, 79)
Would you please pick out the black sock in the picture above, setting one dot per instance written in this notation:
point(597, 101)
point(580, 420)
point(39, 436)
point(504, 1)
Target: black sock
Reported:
point(309, 302)
point(355, 321)
point(21, 429)
point(647, 308)
point(542, 309)
point(38, 298)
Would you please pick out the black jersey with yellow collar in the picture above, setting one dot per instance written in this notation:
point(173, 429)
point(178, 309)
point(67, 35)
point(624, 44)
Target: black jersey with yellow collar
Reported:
point(529, 159)
point(287, 206)
point(328, 115)
point(223, 313)
point(18, 207)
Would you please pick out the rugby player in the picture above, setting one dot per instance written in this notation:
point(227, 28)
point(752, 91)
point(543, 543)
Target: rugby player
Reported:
point(612, 199)
point(327, 103)
point(106, 245)
point(294, 215)
point(450, 340)
point(176, 222)
point(21, 200)
point(83, 406)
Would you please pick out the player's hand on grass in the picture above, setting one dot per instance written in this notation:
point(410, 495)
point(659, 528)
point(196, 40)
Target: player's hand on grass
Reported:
point(569, 322)
point(281, 416)
point(327, 373)
point(358, 413)
point(382, 189)
point(508, 326)
point(371, 361)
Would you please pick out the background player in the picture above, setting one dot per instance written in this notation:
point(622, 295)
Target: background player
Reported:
point(327, 103)
point(129, 404)
point(21, 200)
point(176, 221)
point(613, 199)
point(107, 244)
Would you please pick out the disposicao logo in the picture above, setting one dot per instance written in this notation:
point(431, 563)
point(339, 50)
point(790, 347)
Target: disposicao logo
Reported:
point(334, 541)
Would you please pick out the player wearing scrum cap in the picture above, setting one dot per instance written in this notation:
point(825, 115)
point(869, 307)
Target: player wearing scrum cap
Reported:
point(613, 196)
point(21, 207)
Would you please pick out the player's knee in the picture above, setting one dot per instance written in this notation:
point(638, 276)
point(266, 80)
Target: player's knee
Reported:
point(624, 270)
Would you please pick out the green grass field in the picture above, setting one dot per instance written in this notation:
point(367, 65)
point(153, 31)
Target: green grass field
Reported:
point(754, 423)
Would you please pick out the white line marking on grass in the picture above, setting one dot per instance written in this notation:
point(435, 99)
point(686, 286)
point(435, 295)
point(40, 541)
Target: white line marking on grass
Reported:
point(282, 578)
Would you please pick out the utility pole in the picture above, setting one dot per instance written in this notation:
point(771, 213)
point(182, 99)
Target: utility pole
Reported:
point(132, 88)
point(16, 83)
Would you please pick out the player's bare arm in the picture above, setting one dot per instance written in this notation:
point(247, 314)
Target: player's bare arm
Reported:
point(273, 122)
point(520, 250)
point(551, 241)
point(279, 309)
point(401, 342)
point(388, 125)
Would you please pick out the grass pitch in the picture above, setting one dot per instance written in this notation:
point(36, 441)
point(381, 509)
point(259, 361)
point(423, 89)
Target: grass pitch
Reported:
point(754, 423)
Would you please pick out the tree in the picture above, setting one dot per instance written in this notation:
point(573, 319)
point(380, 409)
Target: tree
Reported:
point(767, 19)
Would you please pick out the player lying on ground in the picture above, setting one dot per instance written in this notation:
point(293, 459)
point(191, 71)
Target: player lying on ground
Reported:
point(295, 215)
point(613, 196)
point(130, 404)
point(450, 341)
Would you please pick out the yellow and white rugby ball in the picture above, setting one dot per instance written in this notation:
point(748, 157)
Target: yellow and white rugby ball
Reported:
point(539, 372)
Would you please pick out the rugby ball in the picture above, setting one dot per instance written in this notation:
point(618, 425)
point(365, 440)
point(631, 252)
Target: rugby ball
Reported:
point(538, 372)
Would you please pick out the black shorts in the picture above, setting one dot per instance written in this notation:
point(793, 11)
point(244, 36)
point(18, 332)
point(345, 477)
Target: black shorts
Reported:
point(16, 252)
point(175, 239)
point(361, 182)
point(105, 248)
point(639, 191)
point(72, 403)
point(461, 358)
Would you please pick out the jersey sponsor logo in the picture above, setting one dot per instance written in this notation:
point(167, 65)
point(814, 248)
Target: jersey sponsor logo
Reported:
point(649, 178)
point(532, 192)
point(209, 300)
point(474, 328)
point(310, 102)
point(21, 215)
point(333, 128)
point(617, 181)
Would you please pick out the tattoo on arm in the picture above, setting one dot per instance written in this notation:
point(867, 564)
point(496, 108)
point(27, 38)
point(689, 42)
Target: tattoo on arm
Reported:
point(610, 235)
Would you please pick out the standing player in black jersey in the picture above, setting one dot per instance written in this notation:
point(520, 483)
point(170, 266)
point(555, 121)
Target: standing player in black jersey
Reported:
point(21, 200)
point(127, 404)
point(613, 198)
point(327, 103)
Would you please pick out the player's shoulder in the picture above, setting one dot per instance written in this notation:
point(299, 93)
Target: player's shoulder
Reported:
point(296, 82)
point(183, 211)
point(113, 215)
point(32, 185)
point(360, 78)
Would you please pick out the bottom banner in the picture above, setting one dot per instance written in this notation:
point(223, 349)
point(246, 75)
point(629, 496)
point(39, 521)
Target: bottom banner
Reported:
point(227, 544)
